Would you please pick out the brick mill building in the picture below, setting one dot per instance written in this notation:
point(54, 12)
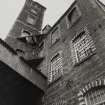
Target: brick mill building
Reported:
point(59, 65)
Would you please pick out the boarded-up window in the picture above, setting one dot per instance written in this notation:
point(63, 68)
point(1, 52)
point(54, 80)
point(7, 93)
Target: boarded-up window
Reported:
point(56, 69)
point(82, 47)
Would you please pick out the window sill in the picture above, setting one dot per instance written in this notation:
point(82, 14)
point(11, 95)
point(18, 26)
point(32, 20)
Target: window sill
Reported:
point(54, 81)
point(75, 22)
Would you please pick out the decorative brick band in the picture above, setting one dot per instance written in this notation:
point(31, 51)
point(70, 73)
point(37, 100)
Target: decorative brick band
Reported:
point(86, 88)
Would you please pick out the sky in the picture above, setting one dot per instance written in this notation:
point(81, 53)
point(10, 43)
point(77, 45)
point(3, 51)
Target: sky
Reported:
point(10, 9)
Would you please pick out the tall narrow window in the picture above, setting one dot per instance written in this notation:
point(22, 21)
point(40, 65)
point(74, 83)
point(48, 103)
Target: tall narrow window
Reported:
point(82, 47)
point(55, 35)
point(56, 69)
point(74, 15)
point(25, 33)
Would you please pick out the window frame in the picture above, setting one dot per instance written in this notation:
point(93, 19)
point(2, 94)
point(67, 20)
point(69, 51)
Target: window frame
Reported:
point(78, 60)
point(68, 23)
point(56, 56)
point(95, 92)
point(52, 33)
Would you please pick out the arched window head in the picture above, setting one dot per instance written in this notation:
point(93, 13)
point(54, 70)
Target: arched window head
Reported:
point(95, 96)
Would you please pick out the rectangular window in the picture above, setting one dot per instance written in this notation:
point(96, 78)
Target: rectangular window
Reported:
point(73, 16)
point(55, 35)
point(82, 47)
point(56, 69)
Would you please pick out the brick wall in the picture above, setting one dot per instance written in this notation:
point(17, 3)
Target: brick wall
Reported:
point(76, 77)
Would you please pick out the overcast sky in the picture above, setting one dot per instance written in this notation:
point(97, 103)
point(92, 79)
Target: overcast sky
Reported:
point(9, 10)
